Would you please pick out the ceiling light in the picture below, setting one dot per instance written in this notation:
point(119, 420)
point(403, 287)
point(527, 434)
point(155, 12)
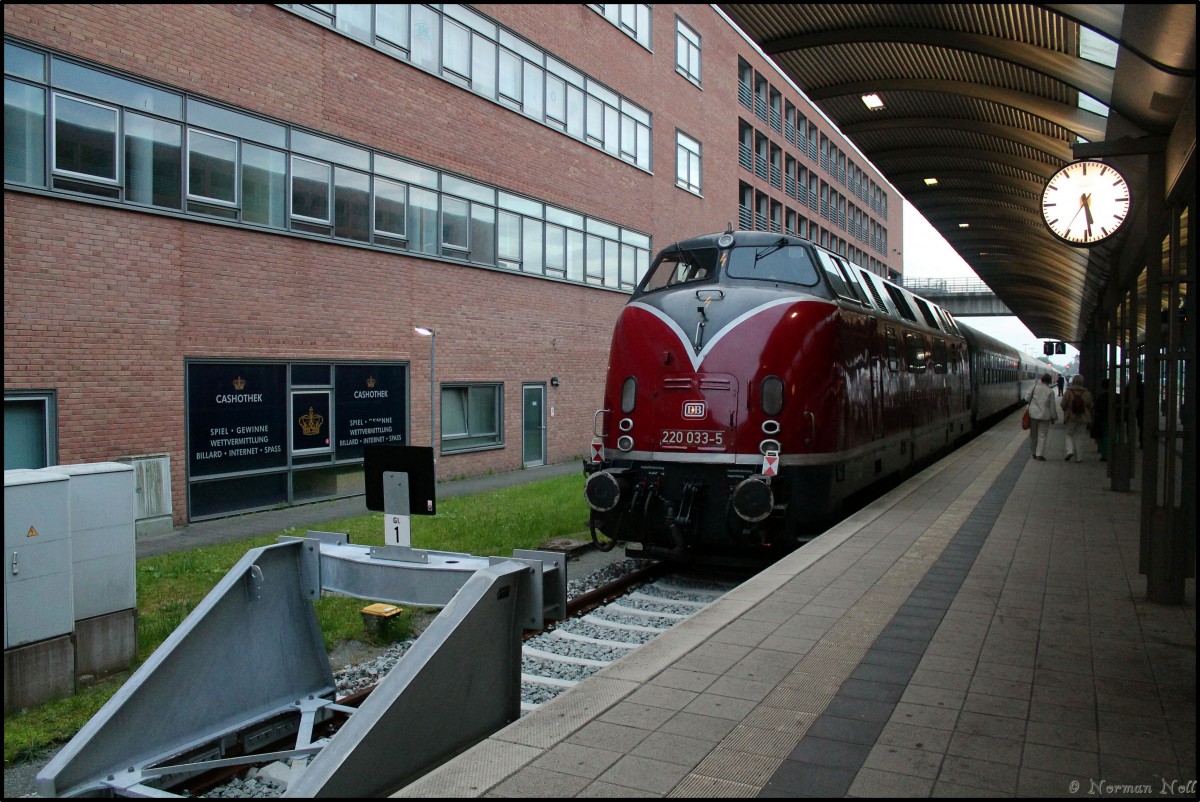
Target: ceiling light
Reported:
point(872, 101)
point(930, 182)
point(964, 225)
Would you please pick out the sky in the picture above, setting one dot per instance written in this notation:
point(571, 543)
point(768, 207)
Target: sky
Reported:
point(928, 255)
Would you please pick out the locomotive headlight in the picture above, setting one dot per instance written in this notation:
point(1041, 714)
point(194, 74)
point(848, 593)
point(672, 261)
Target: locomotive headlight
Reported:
point(772, 395)
point(628, 395)
point(625, 442)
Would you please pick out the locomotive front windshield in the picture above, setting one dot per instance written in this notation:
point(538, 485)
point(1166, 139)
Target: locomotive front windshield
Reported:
point(776, 262)
point(779, 261)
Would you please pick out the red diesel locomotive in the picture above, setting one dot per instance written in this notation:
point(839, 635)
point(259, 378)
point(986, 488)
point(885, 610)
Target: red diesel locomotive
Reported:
point(756, 381)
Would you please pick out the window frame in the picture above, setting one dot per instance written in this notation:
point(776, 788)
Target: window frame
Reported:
point(687, 50)
point(188, 195)
point(446, 443)
point(118, 166)
point(328, 221)
point(695, 161)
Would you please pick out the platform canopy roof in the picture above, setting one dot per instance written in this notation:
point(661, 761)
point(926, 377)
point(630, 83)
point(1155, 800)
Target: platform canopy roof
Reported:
point(991, 100)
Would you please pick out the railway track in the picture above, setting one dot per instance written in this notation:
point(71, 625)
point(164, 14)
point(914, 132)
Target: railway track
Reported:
point(618, 619)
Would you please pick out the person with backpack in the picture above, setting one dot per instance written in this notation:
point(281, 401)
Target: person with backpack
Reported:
point(1077, 404)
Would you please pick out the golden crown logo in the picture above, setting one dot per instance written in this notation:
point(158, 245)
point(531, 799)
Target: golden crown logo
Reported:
point(310, 424)
point(239, 383)
point(370, 381)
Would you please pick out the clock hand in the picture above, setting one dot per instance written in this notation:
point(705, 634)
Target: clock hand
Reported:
point(1087, 211)
point(1074, 217)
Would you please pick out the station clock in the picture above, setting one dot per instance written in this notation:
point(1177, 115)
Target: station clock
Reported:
point(1085, 203)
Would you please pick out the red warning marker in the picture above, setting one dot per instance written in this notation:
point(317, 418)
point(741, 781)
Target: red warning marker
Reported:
point(597, 451)
point(770, 464)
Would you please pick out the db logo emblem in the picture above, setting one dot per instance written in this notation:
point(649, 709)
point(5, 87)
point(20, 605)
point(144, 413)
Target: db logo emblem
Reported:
point(694, 409)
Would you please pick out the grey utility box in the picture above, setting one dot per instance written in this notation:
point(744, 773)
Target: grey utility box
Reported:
point(103, 543)
point(152, 490)
point(38, 597)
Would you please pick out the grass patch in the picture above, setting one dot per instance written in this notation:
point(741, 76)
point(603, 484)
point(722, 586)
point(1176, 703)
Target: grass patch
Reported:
point(170, 586)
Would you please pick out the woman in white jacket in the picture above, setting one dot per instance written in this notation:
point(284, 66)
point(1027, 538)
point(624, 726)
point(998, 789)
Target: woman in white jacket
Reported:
point(1043, 411)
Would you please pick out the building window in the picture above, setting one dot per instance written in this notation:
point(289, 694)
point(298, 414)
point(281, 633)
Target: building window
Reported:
point(391, 23)
point(24, 133)
point(687, 163)
point(264, 186)
point(471, 417)
point(426, 26)
point(687, 52)
point(351, 204)
point(30, 429)
point(509, 237)
point(456, 49)
point(212, 168)
point(455, 226)
point(633, 19)
point(422, 221)
point(310, 190)
point(152, 172)
point(85, 139)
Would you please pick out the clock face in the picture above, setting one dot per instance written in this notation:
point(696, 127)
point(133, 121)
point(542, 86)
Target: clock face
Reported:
point(1085, 203)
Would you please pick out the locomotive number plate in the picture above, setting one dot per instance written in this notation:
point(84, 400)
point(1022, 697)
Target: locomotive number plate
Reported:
point(693, 438)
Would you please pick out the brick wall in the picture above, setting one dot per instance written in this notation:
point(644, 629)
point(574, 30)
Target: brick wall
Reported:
point(104, 305)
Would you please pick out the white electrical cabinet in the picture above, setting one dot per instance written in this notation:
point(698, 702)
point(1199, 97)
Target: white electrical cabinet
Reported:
point(103, 539)
point(38, 587)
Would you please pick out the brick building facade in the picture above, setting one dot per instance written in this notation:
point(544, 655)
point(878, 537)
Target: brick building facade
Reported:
point(204, 196)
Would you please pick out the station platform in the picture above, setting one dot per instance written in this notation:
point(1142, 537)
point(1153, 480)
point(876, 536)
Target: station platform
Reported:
point(981, 630)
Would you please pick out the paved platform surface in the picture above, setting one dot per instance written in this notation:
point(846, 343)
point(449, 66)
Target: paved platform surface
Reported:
point(981, 630)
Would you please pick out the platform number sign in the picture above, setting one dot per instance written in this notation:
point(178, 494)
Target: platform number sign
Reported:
point(397, 530)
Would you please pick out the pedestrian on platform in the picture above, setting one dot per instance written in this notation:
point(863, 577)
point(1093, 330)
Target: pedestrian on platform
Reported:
point(1137, 393)
point(1100, 421)
point(1077, 406)
point(1061, 383)
point(1043, 412)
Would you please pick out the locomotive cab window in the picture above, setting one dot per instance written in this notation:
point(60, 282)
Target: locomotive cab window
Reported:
point(893, 351)
point(692, 266)
point(914, 345)
point(837, 280)
point(848, 275)
point(939, 355)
